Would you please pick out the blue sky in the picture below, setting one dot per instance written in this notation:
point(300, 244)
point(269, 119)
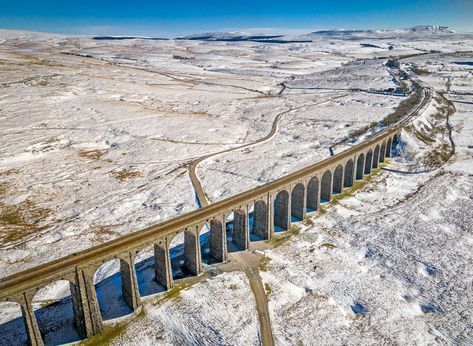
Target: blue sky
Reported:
point(179, 17)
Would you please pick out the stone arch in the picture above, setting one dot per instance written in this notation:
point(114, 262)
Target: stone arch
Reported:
point(369, 159)
point(258, 221)
point(396, 139)
point(395, 142)
point(360, 163)
point(146, 271)
point(236, 226)
point(111, 287)
point(338, 179)
point(297, 202)
point(375, 157)
point(229, 228)
point(313, 194)
point(348, 176)
point(218, 240)
point(204, 244)
point(184, 253)
point(54, 307)
point(382, 152)
point(281, 211)
point(326, 187)
point(12, 324)
point(240, 228)
point(388, 147)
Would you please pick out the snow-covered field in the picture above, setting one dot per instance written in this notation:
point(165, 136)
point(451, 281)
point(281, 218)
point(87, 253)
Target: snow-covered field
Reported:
point(97, 136)
point(222, 317)
point(390, 265)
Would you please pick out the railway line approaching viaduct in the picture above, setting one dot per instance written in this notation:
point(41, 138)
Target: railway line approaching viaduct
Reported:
point(272, 206)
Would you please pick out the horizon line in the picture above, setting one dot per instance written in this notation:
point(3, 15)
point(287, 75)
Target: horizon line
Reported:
point(248, 30)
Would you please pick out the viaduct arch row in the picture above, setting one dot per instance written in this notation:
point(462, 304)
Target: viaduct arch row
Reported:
point(273, 207)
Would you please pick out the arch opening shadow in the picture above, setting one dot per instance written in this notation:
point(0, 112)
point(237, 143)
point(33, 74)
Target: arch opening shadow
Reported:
point(338, 179)
point(204, 240)
point(179, 265)
point(312, 195)
point(388, 148)
point(145, 268)
point(326, 187)
point(232, 230)
point(396, 139)
point(382, 152)
point(368, 162)
point(281, 212)
point(360, 166)
point(348, 176)
point(54, 312)
point(375, 157)
point(395, 147)
point(12, 325)
point(108, 281)
point(258, 221)
point(297, 203)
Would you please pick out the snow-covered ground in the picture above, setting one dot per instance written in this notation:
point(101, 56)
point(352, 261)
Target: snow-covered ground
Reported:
point(222, 317)
point(390, 265)
point(97, 136)
point(304, 137)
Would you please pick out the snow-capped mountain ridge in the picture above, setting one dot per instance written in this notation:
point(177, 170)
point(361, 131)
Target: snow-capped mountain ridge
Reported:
point(432, 29)
point(245, 36)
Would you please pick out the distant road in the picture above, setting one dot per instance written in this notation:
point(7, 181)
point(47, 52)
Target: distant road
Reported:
point(201, 195)
point(254, 278)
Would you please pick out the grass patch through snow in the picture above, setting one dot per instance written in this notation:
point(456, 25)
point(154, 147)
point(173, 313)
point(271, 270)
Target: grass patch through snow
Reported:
point(263, 267)
point(267, 289)
point(358, 185)
point(279, 238)
point(111, 332)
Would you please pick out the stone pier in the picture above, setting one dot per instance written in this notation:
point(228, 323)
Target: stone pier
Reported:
point(218, 240)
point(163, 270)
point(31, 325)
point(260, 220)
point(192, 256)
point(130, 290)
point(240, 229)
point(87, 317)
point(298, 202)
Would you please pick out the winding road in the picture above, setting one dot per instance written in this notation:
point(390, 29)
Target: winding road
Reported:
point(201, 195)
point(252, 273)
point(254, 278)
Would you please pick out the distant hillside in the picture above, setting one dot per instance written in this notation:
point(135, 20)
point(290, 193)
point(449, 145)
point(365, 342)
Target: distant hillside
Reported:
point(242, 36)
point(416, 31)
point(421, 29)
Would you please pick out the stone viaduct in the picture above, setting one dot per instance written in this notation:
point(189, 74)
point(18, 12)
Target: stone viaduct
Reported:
point(273, 206)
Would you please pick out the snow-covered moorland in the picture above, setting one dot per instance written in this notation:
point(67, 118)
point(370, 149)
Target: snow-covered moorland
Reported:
point(97, 136)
